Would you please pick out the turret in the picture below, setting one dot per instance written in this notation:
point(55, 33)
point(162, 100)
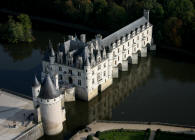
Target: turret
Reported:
point(52, 113)
point(35, 91)
point(52, 53)
point(146, 14)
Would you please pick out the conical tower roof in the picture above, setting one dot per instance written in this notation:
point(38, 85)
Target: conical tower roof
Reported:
point(48, 90)
point(36, 82)
point(52, 52)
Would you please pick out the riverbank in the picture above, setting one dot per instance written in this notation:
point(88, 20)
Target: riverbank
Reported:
point(16, 119)
point(110, 125)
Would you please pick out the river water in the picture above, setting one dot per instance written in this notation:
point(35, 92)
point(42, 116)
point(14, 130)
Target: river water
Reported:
point(158, 89)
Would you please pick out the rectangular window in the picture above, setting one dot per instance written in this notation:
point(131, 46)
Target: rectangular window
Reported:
point(60, 68)
point(137, 37)
point(70, 71)
point(79, 82)
point(99, 76)
point(60, 77)
point(147, 31)
point(92, 72)
point(79, 74)
point(128, 43)
point(99, 67)
point(92, 81)
point(104, 65)
point(118, 50)
point(104, 73)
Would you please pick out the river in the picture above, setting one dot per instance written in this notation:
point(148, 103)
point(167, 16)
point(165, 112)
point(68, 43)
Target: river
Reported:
point(161, 88)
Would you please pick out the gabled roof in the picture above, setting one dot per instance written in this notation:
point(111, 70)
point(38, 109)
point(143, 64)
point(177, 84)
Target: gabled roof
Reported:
point(123, 32)
point(48, 90)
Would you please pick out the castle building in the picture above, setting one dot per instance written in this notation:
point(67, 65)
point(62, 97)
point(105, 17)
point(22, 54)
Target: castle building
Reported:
point(89, 67)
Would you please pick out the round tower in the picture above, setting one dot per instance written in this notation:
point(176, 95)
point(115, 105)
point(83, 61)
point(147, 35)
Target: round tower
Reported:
point(50, 108)
point(35, 91)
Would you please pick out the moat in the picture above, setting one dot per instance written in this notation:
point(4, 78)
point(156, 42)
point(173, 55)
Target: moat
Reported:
point(158, 89)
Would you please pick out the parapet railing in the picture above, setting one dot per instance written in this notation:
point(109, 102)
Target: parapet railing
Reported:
point(16, 93)
point(146, 123)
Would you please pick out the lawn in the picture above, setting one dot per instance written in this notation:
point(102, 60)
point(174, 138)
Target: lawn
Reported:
point(123, 135)
point(173, 136)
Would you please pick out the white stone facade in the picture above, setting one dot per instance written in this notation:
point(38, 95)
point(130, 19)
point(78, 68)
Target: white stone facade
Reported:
point(90, 67)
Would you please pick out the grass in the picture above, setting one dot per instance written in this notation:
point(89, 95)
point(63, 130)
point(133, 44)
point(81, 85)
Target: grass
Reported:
point(123, 135)
point(173, 136)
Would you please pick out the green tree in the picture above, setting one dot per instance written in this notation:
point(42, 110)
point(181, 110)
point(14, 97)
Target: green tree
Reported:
point(182, 9)
point(27, 27)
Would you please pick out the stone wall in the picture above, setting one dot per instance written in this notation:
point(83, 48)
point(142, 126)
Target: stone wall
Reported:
point(32, 134)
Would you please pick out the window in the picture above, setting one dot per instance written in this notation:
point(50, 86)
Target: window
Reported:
point(79, 82)
point(147, 31)
point(133, 40)
point(115, 62)
point(92, 81)
point(92, 72)
point(128, 43)
point(99, 76)
point(104, 73)
point(60, 77)
point(123, 47)
point(147, 38)
point(79, 74)
point(118, 58)
point(128, 51)
point(99, 67)
point(60, 68)
point(64, 72)
point(104, 65)
point(70, 71)
point(118, 50)
point(137, 37)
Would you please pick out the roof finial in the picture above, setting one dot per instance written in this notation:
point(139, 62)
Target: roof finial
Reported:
point(36, 82)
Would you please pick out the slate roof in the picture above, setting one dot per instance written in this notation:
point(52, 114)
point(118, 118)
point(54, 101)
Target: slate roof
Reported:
point(48, 90)
point(36, 82)
point(123, 32)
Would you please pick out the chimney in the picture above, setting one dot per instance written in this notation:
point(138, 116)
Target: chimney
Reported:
point(83, 38)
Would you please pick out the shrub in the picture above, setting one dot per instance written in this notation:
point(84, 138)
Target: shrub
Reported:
point(97, 134)
point(89, 137)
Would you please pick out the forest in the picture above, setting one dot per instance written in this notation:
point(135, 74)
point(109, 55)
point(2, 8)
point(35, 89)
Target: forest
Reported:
point(173, 20)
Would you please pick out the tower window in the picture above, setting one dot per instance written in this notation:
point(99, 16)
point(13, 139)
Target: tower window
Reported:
point(79, 82)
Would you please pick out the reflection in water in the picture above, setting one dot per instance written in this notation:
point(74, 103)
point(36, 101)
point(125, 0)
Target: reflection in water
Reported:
point(80, 113)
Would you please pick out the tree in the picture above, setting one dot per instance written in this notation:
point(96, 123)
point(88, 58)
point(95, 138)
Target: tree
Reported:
point(182, 9)
point(116, 16)
point(27, 27)
point(15, 32)
point(172, 29)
